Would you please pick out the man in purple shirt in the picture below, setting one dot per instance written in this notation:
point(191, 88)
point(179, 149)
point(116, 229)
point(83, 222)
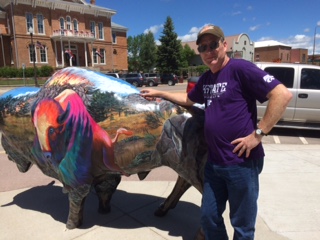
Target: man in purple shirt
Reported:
point(229, 91)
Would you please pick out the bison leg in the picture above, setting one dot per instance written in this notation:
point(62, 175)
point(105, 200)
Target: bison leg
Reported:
point(76, 204)
point(105, 190)
point(179, 189)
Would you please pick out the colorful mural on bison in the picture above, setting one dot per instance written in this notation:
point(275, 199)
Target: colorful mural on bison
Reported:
point(87, 129)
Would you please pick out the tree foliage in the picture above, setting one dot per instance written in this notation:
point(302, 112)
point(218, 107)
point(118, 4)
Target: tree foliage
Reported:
point(134, 47)
point(169, 52)
point(148, 52)
point(187, 55)
point(142, 52)
point(169, 57)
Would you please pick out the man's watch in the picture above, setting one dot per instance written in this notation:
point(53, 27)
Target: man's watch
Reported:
point(260, 132)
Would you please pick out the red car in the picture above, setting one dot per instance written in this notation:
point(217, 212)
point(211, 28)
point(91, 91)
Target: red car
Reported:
point(191, 83)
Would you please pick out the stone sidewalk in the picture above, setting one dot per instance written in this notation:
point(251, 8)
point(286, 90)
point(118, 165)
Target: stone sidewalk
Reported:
point(33, 207)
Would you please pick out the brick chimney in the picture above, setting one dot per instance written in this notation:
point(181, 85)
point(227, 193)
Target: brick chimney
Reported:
point(93, 2)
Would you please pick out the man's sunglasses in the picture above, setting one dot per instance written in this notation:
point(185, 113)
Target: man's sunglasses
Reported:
point(212, 46)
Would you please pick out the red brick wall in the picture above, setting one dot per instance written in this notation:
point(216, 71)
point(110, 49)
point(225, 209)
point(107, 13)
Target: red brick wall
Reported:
point(51, 23)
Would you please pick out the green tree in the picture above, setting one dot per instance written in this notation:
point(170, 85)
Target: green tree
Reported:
point(187, 55)
point(169, 52)
point(134, 48)
point(148, 52)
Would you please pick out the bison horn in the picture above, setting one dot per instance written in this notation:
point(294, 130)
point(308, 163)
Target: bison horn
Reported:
point(63, 117)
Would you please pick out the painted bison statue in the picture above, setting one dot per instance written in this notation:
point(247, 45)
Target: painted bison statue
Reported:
point(87, 130)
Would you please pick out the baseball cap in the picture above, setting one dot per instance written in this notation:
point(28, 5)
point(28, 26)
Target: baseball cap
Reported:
point(210, 29)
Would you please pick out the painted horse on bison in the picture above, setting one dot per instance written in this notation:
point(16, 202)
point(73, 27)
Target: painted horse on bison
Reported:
point(87, 130)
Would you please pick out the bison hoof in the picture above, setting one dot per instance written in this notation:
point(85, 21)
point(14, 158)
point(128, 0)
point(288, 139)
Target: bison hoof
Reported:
point(72, 225)
point(160, 212)
point(104, 210)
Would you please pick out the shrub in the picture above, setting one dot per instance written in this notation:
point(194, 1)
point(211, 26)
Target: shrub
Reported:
point(46, 71)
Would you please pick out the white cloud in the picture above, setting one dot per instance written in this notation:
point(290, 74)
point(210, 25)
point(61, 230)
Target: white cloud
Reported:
point(191, 35)
point(154, 29)
point(236, 13)
point(264, 39)
point(254, 28)
point(306, 30)
point(249, 8)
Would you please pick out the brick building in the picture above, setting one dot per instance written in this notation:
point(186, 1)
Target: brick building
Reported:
point(272, 51)
point(299, 55)
point(64, 33)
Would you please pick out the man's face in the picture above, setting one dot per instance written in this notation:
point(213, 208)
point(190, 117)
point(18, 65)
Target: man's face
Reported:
point(213, 51)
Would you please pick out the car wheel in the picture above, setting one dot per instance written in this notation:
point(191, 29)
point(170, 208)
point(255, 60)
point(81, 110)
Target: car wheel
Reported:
point(150, 84)
point(135, 83)
point(170, 83)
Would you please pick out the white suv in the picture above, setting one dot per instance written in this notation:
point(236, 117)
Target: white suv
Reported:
point(303, 81)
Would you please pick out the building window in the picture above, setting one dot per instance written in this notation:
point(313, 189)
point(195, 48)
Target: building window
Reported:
point(43, 55)
point(257, 57)
point(62, 26)
point(245, 43)
point(68, 22)
point(40, 23)
point(102, 56)
point(114, 37)
point(92, 28)
point(100, 26)
point(75, 25)
point(29, 19)
point(94, 55)
point(32, 54)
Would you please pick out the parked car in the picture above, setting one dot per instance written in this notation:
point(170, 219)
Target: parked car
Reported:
point(169, 78)
point(136, 79)
point(303, 81)
point(191, 83)
point(152, 79)
point(115, 75)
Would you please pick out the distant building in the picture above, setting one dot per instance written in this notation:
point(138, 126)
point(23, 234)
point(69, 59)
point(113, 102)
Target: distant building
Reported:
point(239, 46)
point(63, 33)
point(272, 51)
point(299, 55)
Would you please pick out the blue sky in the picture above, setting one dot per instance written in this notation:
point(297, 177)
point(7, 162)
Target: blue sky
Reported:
point(292, 22)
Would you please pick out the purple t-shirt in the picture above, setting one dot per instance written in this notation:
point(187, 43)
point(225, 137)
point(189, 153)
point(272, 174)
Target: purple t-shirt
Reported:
point(230, 98)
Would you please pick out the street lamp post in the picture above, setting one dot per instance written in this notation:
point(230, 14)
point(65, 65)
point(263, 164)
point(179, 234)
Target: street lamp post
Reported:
point(314, 42)
point(34, 58)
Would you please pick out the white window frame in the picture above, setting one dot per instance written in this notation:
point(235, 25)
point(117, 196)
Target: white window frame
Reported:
point(93, 28)
point(43, 52)
point(100, 31)
point(114, 37)
point(103, 54)
point(75, 25)
point(29, 21)
point(40, 23)
point(62, 25)
point(30, 53)
point(68, 23)
point(94, 56)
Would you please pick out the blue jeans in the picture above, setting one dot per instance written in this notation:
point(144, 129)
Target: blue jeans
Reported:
point(238, 184)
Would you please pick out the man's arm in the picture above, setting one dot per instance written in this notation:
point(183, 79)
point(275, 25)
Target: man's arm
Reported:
point(279, 98)
point(180, 98)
